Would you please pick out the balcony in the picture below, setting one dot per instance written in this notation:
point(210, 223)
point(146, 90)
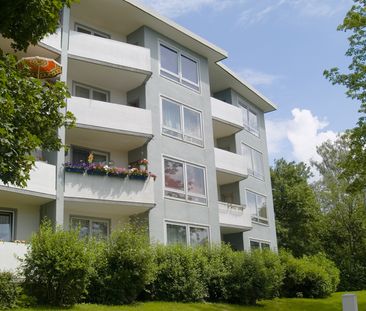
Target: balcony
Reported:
point(9, 254)
point(111, 194)
point(234, 218)
point(41, 187)
point(110, 124)
point(227, 119)
point(125, 66)
point(230, 167)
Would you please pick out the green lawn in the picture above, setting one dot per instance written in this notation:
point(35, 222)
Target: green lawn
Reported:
point(333, 303)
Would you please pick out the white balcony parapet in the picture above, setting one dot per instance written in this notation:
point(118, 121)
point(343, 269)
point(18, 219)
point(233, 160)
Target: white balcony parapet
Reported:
point(42, 180)
point(97, 114)
point(230, 167)
point(104, 188)
point(227, 119)
point(234, 216)
point(52, 41)
point(10, 253)
point(107, 51)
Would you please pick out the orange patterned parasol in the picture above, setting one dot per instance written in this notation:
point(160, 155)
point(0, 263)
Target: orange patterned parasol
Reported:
point(41, 67)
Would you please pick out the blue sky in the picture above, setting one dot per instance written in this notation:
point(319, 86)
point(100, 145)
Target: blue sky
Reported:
point(281, 47)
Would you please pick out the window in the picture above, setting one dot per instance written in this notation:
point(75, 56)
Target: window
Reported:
point(259, 245)
point(6, 226)
point(250, 120)
point(90, 31)
point(258, 207)
point(181, 122)
point(184, 181)
point(91, 227)
point(84, 91)
point(82, 154)
point(254, 161)
point(179, 67)
point(186, 234)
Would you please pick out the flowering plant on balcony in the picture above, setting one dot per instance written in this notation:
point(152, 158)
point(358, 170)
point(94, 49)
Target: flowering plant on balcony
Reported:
point(117, 172)
point(140, 164)
point(97, 169)
point(136, 173)
point(76, 168)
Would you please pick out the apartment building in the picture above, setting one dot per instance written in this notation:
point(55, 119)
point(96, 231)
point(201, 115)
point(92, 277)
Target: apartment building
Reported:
point(144, 87)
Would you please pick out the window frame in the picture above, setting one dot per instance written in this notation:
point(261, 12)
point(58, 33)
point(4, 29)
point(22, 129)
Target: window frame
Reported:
point(251, 171)
point(94, 151)
point(91, 219)
point(93, 31)
point(261, 243)
point(91, 89)
point(185, 182)
point(247, 127)
point(180, 79)
point(12, 214)
point(188, 226)
point(182, 123)
point(256, 218)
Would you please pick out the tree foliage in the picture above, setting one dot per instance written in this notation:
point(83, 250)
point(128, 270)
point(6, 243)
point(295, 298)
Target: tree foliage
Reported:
point(30, 116)
point(344, 225)
point(355, 82)
point(297, 212)
point(28, 21)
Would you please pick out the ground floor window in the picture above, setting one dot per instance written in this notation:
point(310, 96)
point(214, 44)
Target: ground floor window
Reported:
point(6, 226)
point(91, 227)
point(187, 234)
point(255, 244)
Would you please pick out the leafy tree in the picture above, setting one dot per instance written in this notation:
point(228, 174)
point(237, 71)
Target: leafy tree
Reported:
point(355, 82)
point(29, 110)
point(344, 225)
point(28, 21)
point(29, 114)
point(298, 215)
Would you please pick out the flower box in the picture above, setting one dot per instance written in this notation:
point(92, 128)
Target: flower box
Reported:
point(77, 170)
point(138, 177)
point(97, 173)
point(117, 175)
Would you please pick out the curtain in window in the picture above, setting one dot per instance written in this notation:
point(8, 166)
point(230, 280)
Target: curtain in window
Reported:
point(252, 203)
point(176, 234)
point(195, 180)
point(257, 163)
point(171, 115)
point(174, 175)
point(192, 123)
point(247, 153)
point(82, 225)
point(253, 122)
point(99, 229)
point(262, 206)
point(245, 116)
point(198, 236)
point(5, 227)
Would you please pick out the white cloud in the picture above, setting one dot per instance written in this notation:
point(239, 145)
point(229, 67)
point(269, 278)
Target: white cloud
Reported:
point(304, 131)
point(175, 8)
point(258, 78)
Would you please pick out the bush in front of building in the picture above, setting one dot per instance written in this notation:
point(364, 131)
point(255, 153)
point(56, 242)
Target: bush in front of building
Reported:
point(179, 274)
point(309, 276)
point(9, 291)
point(57, 266)
point(124, 266)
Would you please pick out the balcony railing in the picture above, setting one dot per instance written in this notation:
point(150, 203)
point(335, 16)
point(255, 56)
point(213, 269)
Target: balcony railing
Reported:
point(230, 167)
point(227, 119)
point(234, 216)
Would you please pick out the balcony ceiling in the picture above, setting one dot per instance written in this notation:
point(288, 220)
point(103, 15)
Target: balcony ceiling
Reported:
point(10, 196)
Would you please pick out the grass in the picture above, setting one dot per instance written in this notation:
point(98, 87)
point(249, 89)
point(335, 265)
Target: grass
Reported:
point(333, 303)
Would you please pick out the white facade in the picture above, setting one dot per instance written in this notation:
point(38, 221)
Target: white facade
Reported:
point(144, 87)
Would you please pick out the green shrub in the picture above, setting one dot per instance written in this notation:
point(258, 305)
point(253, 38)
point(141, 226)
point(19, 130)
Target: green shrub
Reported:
point(254, 276)
point(9, 291)
point(57, 267)
point(309, 276)
point(124, 266)
point(179, 275)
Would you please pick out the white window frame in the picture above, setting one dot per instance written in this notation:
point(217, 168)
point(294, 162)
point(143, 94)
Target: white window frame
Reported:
point(188, 226)
point(261, 243)
point(12, 225)
point(103, 153)
point(181, 112)
point(91, 89)
point(179, 76)
point(254, 131)
point(185, 182)
point(256, 218)
point(93, 31)
point(251, 171)
point(92, 219)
